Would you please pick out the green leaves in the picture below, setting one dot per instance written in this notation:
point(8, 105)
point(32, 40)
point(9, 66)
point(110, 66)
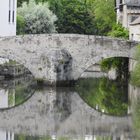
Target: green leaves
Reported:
point(104, 94)
point(104, 15)
point(119, 31)
point(38, 18)
point(135, 74)
point(82, 16)
point(20, 24)
point(73, 17)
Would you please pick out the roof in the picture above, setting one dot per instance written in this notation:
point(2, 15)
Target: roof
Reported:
point(136, 21)
point(135, 3)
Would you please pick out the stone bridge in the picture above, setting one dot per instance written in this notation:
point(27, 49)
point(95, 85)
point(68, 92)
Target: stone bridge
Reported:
point(58, 57)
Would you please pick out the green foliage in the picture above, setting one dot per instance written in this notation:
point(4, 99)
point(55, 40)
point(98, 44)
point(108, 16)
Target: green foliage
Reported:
point(105, 15)
point(19, 2)
point(119, 31)
point(109, 63)
point(20, 25)
point(38, 18)
point(135, 75)
point(137, 53)
point(10, 63)
point(73, 16)
point(82, 16)
point(24, 137)
point(136, 118)
point(106, 94)
point(119, 63)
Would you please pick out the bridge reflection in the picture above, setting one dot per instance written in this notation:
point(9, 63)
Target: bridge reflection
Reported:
point(61, 112)
point(11, 136)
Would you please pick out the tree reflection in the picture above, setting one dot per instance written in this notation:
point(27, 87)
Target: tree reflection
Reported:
point(15, 91)
point(105, 95)
point(136, 117)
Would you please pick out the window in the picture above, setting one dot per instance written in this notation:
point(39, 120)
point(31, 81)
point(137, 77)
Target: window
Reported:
point(13, 13)
point(9, 16)
point(121, 5)
point(133, 17)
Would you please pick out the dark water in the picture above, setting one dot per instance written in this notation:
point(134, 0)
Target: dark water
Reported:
point(95, 109)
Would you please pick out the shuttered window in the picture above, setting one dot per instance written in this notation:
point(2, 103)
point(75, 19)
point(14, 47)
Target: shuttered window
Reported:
point(9, 13)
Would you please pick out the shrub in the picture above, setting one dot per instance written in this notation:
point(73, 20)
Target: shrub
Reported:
point(119, 31)
point(20, 24)
point(38, 18)
point(135, 75)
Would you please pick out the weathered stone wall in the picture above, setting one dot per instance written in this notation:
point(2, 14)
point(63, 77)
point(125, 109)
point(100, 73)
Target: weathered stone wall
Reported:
point(43, 54)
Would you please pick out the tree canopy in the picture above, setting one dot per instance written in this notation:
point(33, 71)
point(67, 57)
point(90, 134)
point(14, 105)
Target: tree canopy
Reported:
point(81, 16)
point(38, 18)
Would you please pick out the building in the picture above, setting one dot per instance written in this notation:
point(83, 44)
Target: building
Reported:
point(134, 30)
point(127, 11)
point(128, 14)
point(6, 135)
point(8, 17)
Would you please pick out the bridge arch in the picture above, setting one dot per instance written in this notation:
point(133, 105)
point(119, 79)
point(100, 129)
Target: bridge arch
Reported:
point(102, 57)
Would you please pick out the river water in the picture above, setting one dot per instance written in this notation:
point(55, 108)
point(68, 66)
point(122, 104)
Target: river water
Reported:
point(94, 109)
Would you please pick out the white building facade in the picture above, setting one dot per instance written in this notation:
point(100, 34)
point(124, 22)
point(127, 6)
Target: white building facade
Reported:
point(134, 30)
point(8, 17)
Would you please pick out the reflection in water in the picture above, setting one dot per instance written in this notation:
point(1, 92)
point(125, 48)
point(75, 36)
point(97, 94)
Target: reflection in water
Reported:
point(60, 113)
point(134, 96)
point(105, 95)
point(12, 136)
point(15, 91)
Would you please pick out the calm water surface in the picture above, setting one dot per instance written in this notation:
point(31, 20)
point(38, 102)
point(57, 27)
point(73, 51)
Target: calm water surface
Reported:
point(95, 109)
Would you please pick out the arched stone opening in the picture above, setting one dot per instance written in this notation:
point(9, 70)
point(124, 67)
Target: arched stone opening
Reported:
point(97, 59)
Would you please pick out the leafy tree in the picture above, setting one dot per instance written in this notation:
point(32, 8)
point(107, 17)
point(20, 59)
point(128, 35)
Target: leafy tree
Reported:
point(20, 25)
point(82, 16)
point(135, 75)
point(38, 18)
point(73, 16)
point(19, 2)
point(136, 117)
point(105, 15)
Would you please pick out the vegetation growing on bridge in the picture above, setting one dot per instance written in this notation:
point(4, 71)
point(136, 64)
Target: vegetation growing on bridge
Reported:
point(120, 64)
